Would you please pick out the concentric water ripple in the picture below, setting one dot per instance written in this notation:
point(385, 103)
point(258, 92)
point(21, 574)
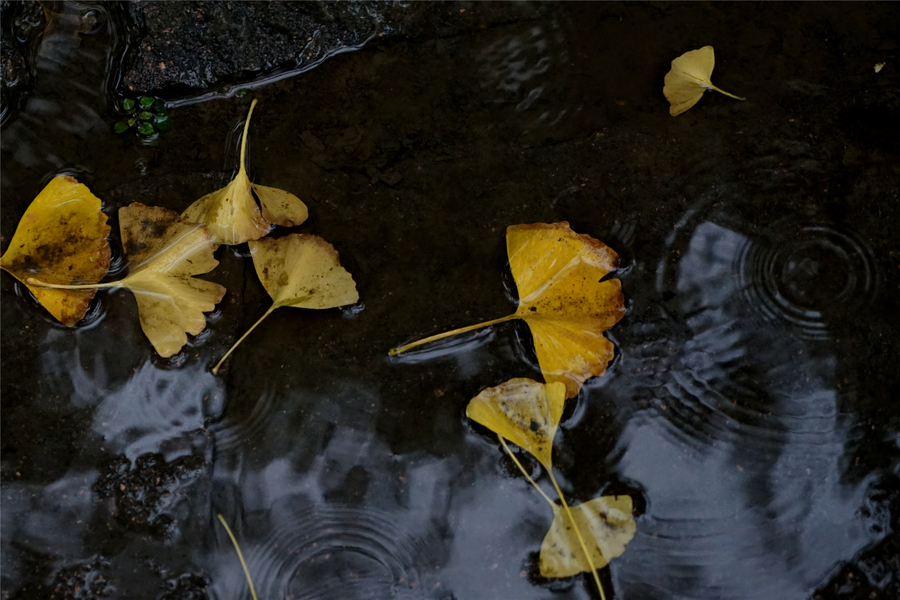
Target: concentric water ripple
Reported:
point(808, 276)
point(745, 425)
point(332, 552)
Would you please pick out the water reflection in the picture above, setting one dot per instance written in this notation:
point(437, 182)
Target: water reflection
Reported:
point(330, 515)
point(517, 68)
point(71, 69)
point(741, 446)
point(159, 410)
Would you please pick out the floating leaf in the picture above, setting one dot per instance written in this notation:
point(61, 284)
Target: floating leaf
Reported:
point(120, 127)
point(563, 297)
point(689, 77)
point(302, 271)
point(527, 413)
point(523, 411)
point(128, 104)
point(62, 240)
point(231, 213)
point(607, 525)
point(164, 254)
point(147, 102)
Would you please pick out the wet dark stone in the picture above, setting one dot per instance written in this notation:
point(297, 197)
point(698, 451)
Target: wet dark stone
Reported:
point(22, 23)
point(190, 46)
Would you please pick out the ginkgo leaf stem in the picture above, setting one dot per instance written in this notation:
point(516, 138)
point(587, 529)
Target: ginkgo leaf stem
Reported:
point(446, 334)
point(239, 553)
point(59, 286)
point(244, 139)
point(237, 343)
point(578, 533)
point(524, 472)
point(721, 91)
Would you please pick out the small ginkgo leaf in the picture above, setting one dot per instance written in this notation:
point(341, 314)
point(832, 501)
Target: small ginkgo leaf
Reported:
point(232, 215)
point(164, 254)
point(523, 411)
point(563, 297)
point(302, 271)
point(689, 78)
point(61, 239)
point(606, 525)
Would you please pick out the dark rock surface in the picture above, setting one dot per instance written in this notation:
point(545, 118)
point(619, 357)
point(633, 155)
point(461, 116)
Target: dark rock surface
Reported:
point(185, 47)
point(20, 24)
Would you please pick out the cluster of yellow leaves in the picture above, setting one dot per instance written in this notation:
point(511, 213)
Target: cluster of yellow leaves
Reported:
point(567, 302)
point(60, 252)
point(527, 413)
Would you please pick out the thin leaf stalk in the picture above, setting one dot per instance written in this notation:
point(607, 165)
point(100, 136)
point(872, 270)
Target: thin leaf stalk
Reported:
point(721, 91)
point(446, 334)
point(587, 554)
point(524, 472)
point(237, 343)
point(60, 286)
point(239, 553)
point(244, 138)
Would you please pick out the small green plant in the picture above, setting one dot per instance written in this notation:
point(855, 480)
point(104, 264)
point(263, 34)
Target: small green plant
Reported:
point(147, 115)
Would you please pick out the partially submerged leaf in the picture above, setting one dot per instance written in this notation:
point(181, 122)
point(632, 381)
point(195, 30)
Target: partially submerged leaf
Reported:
point(232, 215)
point(165, 253)
point(61, 239)
point(527, 413)
point(564, 298)
point(689, 78)
point(606, 525)
point(302, 271)
point(523, 411)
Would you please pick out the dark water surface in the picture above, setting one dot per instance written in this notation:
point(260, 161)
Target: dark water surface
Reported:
point(752, 409)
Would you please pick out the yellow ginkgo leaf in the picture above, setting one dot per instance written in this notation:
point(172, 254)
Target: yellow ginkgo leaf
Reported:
point(527, 413)
point(524, 412)
point(689, 77)
point(606, 525)
point(299, 270)
point(563, 297)
point(61, 239)
point(565, 300)
point(164, 254)
point(232, 215)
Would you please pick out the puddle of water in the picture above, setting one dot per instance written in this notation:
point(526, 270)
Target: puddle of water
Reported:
point(750, 410)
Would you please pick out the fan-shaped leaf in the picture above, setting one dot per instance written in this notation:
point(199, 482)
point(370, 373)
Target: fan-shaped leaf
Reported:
point(231, 213)
point(689, 78)
point(523, 411)
point(299, 270)
point(606, 524)
point(61, 239)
